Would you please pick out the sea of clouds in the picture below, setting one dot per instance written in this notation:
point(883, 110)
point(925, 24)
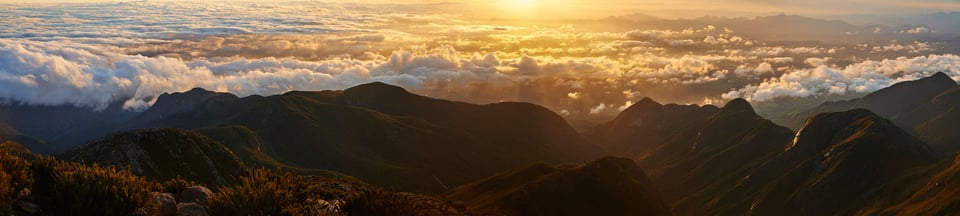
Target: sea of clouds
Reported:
point(97, 54)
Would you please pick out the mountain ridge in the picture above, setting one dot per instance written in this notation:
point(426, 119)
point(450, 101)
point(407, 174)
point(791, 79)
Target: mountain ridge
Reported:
point(382, 133)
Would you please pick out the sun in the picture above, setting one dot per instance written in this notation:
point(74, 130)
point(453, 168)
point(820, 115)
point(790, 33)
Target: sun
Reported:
point(521, 7)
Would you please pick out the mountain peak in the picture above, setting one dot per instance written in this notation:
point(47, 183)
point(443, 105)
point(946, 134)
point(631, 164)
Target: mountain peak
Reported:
point(826, 129)
point(163, 153)
point(175, 103)
point(738, 105)
point(647, 100)
point(375, 87)
point(905, 96)
point(941, 77)
point(644, 104)
point(198, 90)
point(193, 94)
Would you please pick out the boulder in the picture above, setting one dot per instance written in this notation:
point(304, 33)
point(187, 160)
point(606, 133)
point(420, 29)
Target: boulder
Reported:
point(197, 194)
point(167, 203)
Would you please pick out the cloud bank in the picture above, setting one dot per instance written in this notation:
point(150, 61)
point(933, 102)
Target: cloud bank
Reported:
point(863, 77)
point(96, 55)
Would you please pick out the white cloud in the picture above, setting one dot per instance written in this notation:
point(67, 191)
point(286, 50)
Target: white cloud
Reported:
point(917, 30)
point(626, 105)
point(863, 77)
point(779, 60)
point(598, 109)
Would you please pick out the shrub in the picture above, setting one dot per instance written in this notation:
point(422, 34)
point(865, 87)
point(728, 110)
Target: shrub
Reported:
point(281, 193)
point(260, 193)
point(14, 177)
point(6, 193)
point(378, 202)
point(175, 186)
point(264, 192)
point(75, 189)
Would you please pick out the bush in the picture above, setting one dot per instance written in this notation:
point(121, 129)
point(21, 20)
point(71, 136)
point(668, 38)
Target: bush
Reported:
point(74, 189)
point(14, 177)
point(264, 192)
point(260, 193)
point(377, 202)
point(281, 193)
point(175, 186)
point(6, 193)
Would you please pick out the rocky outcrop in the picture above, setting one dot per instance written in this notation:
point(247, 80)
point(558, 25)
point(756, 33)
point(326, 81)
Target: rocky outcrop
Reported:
point(164, 154)
point(197, 194)
point(166, 202)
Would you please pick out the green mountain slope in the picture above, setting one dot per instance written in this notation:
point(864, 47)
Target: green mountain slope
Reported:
point(163, 154)
point(377, 132)
point(836, 165)
point(685, 149)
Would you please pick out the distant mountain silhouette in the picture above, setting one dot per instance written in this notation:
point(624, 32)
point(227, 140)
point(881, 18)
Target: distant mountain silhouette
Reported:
point(864, 156)
point(835, 165)
point(923, 107)
point(607, 186)
point(380, 133)
point(687, 148)
point(169, 105)
point(53, 129)
point(163, 154)
point(729, 161)
point(12, 135)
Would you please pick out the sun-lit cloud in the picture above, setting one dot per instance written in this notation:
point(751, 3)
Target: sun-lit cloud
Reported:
point(97, 54)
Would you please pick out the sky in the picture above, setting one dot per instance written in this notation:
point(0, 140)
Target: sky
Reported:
point(669, 9)
point(580, 60)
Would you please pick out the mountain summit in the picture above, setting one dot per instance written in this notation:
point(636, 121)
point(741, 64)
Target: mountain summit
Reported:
point(382, 133)
point(164, 154)
point(922, 107)
point(832, 167)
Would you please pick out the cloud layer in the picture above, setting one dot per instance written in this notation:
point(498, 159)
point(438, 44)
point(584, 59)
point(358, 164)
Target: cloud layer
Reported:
point(863, 77)
point(94, 55)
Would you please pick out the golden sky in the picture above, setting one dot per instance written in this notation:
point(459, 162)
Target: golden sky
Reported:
point(663, 8)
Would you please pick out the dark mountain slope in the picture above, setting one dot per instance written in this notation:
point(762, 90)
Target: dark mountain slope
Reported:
point(380, 133)
point(163, 154)
point(835, 165)
point(937, 122)
point(940, 195)
point(17, 149)
point(507, 122)
point(925, 107)
point(53, 129)
point(685, 149)
point(890, 102)
point(177, 109)
point(647, 124)
point(9, 133)
point(608, 186)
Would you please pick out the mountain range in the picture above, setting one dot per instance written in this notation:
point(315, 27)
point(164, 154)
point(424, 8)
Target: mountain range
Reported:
point(923, 107)
point(377, 132)
point(887, 153)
